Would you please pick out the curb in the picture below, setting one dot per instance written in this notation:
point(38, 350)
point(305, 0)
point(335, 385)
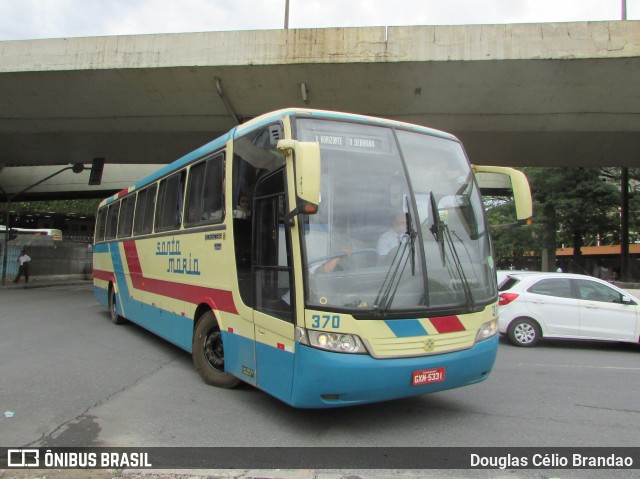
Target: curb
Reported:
point(47, 281)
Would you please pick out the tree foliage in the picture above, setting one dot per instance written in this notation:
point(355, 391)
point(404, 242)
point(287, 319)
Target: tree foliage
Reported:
point(82, 207)
point(572, 207)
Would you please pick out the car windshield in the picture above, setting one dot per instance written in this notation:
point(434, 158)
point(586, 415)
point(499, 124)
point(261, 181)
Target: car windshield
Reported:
point(400, 226)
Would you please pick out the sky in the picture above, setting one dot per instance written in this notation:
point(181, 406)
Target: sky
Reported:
point(31, 19)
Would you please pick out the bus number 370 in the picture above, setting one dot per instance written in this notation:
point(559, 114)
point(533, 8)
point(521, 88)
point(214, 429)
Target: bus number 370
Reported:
point(325, 321)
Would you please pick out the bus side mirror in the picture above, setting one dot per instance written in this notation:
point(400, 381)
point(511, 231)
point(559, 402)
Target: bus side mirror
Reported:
point(306, 163)
point(498, 180)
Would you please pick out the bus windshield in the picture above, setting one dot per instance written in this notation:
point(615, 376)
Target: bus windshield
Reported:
point(400, 227)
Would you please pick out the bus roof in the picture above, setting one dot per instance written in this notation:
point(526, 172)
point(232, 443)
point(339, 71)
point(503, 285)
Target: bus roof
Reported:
point(326, 114)
point(264, 120)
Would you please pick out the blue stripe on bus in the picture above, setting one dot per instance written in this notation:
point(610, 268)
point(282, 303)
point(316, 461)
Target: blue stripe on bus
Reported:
point(175, 328)
point(404, 328)
point(275, 371)
point(239, 358)
point(101, 248)
point(348, 379)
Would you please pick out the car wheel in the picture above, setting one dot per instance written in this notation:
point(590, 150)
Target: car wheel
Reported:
point(524, 332)
point(208, 353)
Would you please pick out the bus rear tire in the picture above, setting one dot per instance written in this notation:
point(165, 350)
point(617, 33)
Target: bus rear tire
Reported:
point(113, 312)
point(208, 353)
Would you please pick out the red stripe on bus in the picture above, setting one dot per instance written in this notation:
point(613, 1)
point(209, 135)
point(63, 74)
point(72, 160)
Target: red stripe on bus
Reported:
point(103, 275)
point(222, 300)
point(447, 324)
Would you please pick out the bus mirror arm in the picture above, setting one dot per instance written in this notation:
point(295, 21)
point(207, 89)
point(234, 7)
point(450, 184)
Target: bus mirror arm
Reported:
point(302, 208)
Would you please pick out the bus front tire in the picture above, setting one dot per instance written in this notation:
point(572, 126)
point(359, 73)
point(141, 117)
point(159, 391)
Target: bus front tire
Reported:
point(208, 353)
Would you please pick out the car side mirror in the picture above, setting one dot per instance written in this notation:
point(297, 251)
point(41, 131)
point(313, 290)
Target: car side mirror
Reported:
point(627, 299)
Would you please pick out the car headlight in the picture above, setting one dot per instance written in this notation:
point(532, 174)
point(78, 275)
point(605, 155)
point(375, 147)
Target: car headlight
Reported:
point(331, 341)
point(487, 330)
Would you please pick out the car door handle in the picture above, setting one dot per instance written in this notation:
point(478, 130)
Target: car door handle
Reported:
point(261, 331)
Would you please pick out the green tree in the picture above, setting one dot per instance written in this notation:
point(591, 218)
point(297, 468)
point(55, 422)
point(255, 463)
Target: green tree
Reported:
point(613, 176)
point(511, 243)
point(78, 206)
point(572, 204)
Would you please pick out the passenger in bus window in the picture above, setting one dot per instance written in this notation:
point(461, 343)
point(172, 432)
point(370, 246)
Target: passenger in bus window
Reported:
point(243, 210)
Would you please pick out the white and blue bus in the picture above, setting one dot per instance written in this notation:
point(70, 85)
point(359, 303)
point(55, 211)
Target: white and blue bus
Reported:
point(329, 259)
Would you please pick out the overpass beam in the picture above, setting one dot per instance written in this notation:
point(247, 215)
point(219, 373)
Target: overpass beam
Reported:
point(225, 100)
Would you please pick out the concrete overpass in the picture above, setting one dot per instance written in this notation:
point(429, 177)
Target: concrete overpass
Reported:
point(523, 95)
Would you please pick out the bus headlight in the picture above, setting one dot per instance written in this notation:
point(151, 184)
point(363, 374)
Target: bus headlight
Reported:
point(331, 341)
point(487, 330)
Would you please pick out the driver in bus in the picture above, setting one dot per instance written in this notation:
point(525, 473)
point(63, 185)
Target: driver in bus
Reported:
point(326, 267)
point(392, 238)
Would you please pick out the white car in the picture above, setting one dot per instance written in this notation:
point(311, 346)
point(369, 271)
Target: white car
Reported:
point(502, 274)
point(536, 305)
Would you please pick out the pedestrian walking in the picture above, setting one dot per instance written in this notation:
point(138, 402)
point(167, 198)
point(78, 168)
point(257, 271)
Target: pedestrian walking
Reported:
point(23, 268)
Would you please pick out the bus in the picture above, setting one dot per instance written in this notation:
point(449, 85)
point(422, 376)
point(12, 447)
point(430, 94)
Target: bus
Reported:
point(263, 254)
point(28, 233)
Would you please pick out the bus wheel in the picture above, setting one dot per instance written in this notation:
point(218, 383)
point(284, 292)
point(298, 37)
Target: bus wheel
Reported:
point(208, 353)
point(115, 317)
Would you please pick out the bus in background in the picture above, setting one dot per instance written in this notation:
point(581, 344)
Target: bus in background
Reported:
point(28, 233)
point(267, 255)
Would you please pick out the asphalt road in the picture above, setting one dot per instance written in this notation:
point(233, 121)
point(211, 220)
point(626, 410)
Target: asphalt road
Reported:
point(72, 378)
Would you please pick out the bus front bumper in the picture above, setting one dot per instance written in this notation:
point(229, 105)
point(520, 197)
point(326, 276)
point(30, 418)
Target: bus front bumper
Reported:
point(324, 379)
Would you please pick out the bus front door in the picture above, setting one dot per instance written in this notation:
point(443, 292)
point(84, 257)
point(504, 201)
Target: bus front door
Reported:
point(273, 313)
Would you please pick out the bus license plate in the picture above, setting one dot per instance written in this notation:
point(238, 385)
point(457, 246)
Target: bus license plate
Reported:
point(427, 376)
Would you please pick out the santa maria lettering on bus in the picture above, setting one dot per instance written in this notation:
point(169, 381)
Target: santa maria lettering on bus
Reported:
point(177, 263)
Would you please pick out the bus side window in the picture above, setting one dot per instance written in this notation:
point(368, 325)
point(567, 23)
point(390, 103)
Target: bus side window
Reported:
point(112, 220)
point(194, 193)
point(213, 194)
point(205, 192)
point(143, 222)
point(101, 224)
point(138, 224)
point(125, 223)
point(169, 205)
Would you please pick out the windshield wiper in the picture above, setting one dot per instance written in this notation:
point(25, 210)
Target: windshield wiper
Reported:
point(411, 233)
point(437, 226)
point(391, 282)
point(392, 279)
point(441, 233)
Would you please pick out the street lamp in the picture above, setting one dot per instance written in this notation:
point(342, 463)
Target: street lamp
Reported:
point(76, 168)
point(286, 14)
